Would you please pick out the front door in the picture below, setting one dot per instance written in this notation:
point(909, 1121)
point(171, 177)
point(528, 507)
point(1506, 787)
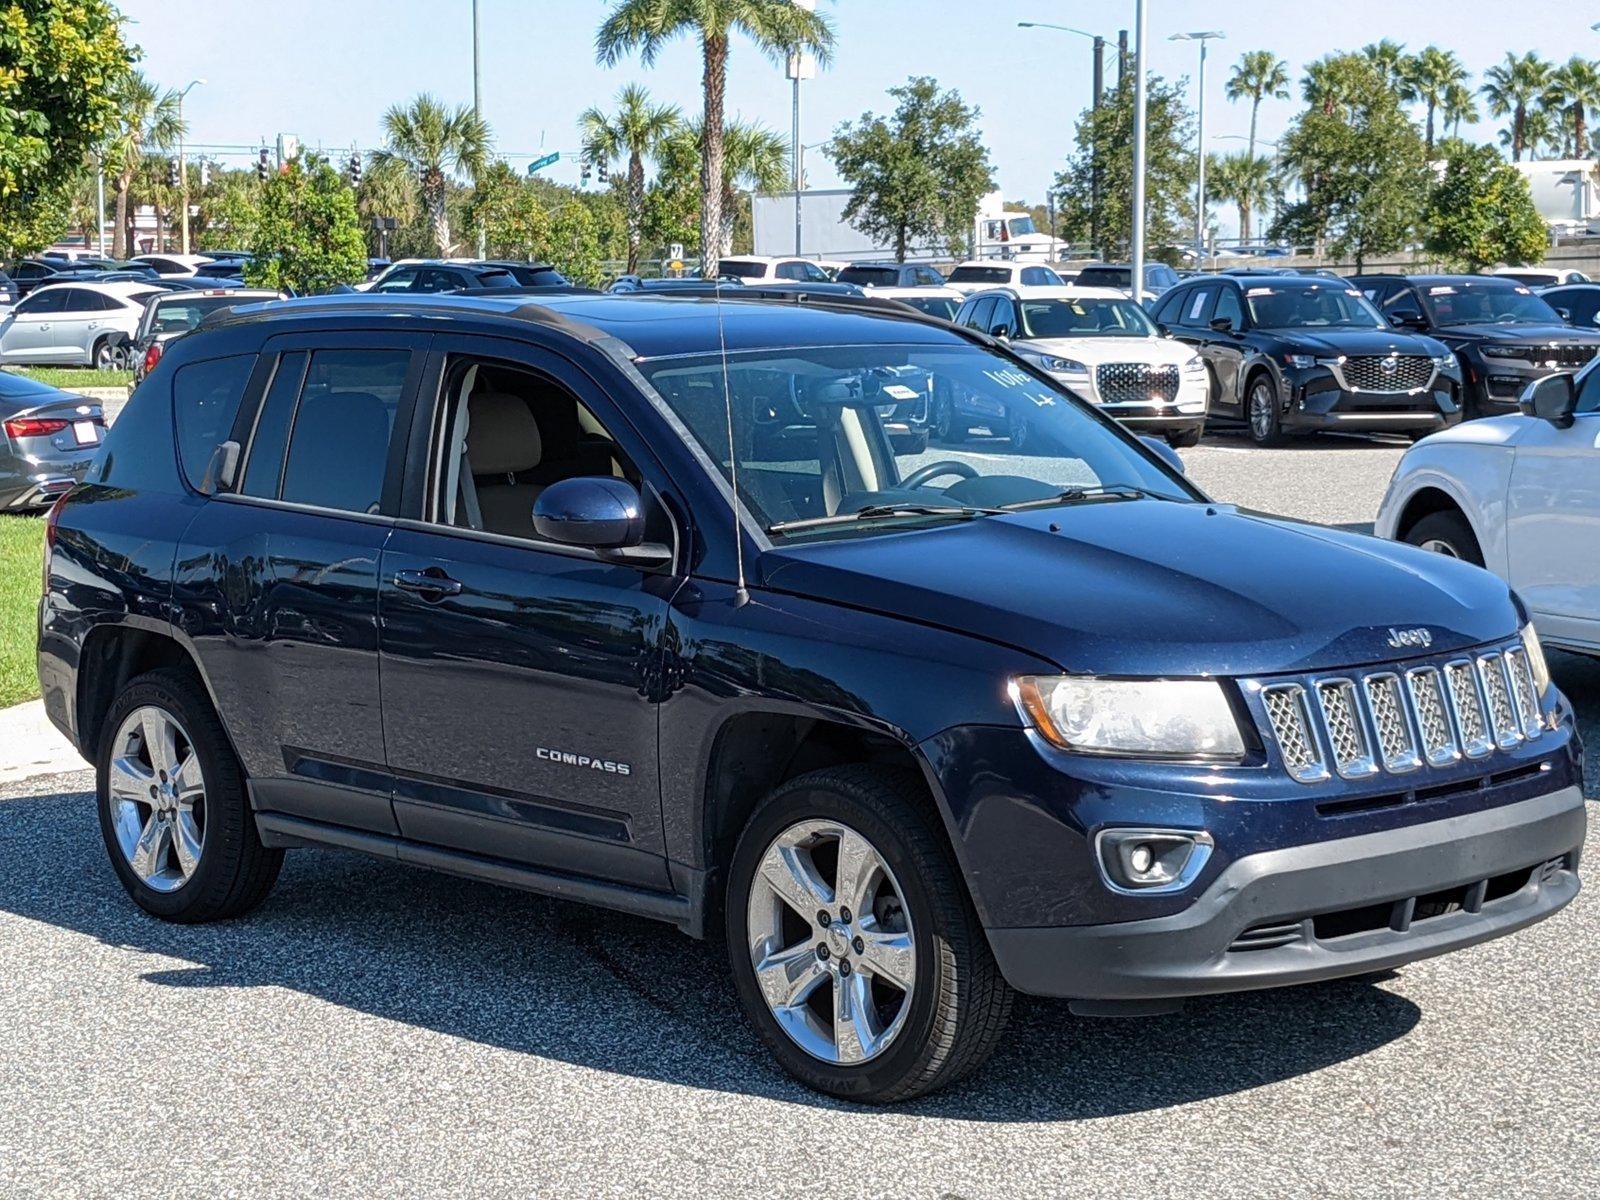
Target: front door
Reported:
point(520, 678)
point(1553, 521)
point(26, 334)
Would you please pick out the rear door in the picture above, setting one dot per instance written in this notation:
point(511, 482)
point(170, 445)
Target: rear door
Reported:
point(520, 678)
point(1553, 521)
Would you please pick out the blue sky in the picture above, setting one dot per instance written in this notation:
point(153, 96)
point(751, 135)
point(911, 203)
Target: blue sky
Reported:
point(326, 69)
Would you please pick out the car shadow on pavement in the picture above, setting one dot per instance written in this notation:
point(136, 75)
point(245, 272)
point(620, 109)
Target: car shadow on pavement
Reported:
point(620, 994)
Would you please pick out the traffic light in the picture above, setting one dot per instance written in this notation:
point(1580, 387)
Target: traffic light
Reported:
point(583, 176)
point(263, 166)
point(600, 170)
point(353, 169)
point(172, 172)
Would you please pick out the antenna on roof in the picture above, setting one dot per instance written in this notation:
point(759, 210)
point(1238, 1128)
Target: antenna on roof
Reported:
point(741, 595)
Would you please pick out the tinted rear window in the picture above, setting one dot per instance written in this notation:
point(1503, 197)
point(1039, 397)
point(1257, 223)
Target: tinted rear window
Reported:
point(980, 275)
point(339, 446)
point(205, 401)
point(870, 276)
point(741, 270)
point(1104, 277)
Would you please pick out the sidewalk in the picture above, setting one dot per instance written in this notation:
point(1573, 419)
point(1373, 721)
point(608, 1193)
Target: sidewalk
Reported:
point(30, 745)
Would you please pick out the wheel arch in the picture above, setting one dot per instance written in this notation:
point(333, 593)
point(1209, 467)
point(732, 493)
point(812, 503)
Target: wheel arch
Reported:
point(112, 654)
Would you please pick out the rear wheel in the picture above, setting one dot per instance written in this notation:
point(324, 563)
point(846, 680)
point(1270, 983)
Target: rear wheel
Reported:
point(1261, 411)
point(946, 426)
point(855, 951)
point(105, 354)
point(1446, 533)
point(173, 809)
point(1184, 439)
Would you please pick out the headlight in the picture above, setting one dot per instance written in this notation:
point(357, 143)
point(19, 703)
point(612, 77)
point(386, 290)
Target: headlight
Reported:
point(1062, 366)
point(1536, 661)
point(1503, 351)
point(1195, 366)
point(1445, 361)
point(1303, 361)
point(1148, 718)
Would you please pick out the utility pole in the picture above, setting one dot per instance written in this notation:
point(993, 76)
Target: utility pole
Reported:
point(100, 201)
point(1202, 37)
point(1140, 28)
point(183, 173)
point(477, 109)
point(1094, 149)
point(801, 66)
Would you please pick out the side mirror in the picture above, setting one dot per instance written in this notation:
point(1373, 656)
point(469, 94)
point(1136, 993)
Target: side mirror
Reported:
point(1552, 399)
point(598, 512)
point(1164, 452)
point(1407, 320)
point(1000, 331)
point(1163, 330)
point(1222, 324)
point(1565, 314)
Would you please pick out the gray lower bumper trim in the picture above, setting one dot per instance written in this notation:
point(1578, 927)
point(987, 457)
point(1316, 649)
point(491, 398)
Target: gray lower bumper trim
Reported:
point(1189, 954)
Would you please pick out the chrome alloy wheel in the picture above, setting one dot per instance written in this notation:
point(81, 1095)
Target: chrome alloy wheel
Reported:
point(1440, 546)
point(1261, 401)
point(157, 795)
point(831, 942)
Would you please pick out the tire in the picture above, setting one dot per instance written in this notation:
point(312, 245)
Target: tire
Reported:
point(1185, 439)
point(104, 355)
point(947, 427)
point(1018, 433)
point(1261, 410)
point(955, 1010)
point(1447, 533)
point(232, 871)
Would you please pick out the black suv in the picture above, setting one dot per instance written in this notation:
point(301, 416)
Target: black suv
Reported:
point(434, 276)
point(890, 274)
point(1505, 336)
point(631, 600)
point(1298, 353)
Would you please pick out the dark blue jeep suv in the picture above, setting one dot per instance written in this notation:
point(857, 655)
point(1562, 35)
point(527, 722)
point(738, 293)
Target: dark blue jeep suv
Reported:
point(632, 600)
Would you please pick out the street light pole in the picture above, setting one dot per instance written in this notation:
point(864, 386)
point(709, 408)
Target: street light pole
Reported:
point(183, 173)
point(1094, 149)
point(801, 66)
point(1140, 100)
point(1202, 36)
point(477, 110)
point(100, 202)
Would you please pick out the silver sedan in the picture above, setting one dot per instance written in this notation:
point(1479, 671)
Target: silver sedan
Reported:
point(47, 439)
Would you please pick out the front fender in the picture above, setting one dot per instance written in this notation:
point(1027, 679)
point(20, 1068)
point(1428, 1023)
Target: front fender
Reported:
point(1473, 478)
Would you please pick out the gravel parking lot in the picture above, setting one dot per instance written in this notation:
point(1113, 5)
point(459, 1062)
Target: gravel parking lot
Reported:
point(376, 1029)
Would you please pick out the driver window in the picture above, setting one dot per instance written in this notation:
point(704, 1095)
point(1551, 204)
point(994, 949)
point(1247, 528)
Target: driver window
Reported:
point(505, 434)
point(1589, 394)
point(1004, 317)
point(1228, 306)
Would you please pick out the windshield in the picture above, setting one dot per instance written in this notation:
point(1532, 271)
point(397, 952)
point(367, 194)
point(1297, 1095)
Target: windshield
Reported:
point(943, 307)
point(1330, 306)
point(1086, 317)
point(870, 276)
point(1118, 277)
point(741, 270)
point(981, 275)
point(1471, 303)
point(1020, 226)
point(914, 434)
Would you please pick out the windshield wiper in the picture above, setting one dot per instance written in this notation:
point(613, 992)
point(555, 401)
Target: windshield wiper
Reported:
point(961, 512)
point(1078, 495)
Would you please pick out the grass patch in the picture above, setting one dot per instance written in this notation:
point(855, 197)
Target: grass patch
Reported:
point(77, 377)
point(21, 553)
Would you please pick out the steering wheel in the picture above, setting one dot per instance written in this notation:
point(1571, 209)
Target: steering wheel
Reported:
point(948, 466)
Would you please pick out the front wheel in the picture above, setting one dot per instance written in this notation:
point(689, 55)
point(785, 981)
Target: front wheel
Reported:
point(1446, 533)
point(1185, 439)
point(855, 950)
point(1261, 410)
point(173, 809)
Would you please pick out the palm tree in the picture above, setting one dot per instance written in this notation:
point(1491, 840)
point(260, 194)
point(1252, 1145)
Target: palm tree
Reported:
point(435, 143)
point(1258, 74)
point(755, 159)
point(147, 119)
point(1246, 180)
point(639, 130)
point(777, 27)
point(1428, 77)
point(1330, 83)
point(1575, 93)
point(1389, 56)
point(1458, 106)
point(1540, 132)
point(1513, 87)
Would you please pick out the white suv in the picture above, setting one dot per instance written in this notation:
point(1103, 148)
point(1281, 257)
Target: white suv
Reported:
point(760, 268)
point(979, 274)
point(1102, 347)
point(91, 324)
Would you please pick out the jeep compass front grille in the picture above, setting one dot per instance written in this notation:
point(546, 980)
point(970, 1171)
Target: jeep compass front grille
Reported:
point(1136, 383)
point(1388, 372)
point(1358, 725)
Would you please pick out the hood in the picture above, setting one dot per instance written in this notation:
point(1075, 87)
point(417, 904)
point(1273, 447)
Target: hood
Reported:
point(1097, 350)
point(1152, 587)
point(1485, 431)
point(1331, 343)
point(1521, 335)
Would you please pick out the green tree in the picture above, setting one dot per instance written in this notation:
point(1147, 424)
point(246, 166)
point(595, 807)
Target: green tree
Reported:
point(1389, 57)
point(777, 27)
point(60, 64)
point(1459, 105)
point(229, 210)
point(1516, 87)
point(918, 175)
point(146, 119)
point(1257, 75)
point(637, 130)
point(514, 221)
point(436, 144)
point(1246, 180)
point(1433, 77)
point(671, 210)
point(1541, 135)
point(575, 244)
point(308, 234)
point(1362, 164)
point(1481, 212)
point(754, 159)
point(1169, 170)
point(1574, 93)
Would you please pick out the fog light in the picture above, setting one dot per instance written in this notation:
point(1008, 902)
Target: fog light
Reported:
point(1151, 861)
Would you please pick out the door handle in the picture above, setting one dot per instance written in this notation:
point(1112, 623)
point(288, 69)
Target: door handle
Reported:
point(431, 584)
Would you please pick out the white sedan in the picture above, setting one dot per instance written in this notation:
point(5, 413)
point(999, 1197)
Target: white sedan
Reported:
point(1519, 495)
point(90, 324)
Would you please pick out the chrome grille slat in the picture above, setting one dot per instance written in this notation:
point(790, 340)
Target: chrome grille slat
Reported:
point(1136, 383)
point(1393, 720)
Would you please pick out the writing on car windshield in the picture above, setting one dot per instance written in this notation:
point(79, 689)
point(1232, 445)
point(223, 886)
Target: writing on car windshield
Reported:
point(899, 434)
point(1335, 306)
point(1083, 317)
point(1468, 303)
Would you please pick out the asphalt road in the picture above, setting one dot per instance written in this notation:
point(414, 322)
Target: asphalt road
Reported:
point(374, 1029)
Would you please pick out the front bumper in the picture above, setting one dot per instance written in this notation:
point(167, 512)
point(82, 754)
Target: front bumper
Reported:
point(1323, 910)
point(1318, 399)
